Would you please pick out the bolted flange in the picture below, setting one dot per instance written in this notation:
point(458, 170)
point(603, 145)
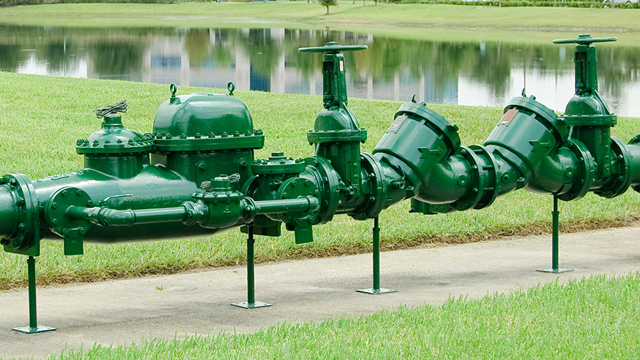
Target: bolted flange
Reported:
point(72, 230)
point(26, 236)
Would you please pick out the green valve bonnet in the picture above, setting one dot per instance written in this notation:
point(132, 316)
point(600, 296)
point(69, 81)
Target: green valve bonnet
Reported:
point(205, 122)
point(278, 164)
point(114, 138)
point(335, 123)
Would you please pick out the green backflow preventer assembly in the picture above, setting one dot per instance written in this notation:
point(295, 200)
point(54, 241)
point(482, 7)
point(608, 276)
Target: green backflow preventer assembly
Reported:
point(196, 175)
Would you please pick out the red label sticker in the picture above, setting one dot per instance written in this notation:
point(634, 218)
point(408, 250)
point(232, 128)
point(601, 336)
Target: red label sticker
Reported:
point(506, 118)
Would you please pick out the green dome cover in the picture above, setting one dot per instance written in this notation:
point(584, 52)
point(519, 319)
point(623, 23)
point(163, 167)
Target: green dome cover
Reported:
point(114, 138)
point(205, 122)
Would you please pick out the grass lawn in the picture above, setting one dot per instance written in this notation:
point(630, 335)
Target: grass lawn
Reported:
point(41, 118)
point(410, 21)
point(594, 318)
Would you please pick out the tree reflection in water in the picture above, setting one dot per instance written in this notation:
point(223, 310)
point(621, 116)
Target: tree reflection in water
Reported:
point(268, 60)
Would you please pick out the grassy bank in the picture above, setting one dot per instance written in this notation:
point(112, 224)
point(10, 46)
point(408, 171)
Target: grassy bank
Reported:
point(594, 318)
point(41, 117)
point(397, 20)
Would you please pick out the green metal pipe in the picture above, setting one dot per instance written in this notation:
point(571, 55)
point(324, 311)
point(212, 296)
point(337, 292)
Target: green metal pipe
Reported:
point(200, 137)
point(191, 213)
point(111, 217)
point(9, 218)
point(304, 204)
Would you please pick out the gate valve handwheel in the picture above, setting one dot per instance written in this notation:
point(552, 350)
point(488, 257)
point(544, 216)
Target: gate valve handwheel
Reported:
point(585, 64)
point(584, 39)
point(334, 86)
point(333, 48)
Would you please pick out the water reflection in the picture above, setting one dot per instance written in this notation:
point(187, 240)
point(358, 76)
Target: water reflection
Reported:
point(470, 73)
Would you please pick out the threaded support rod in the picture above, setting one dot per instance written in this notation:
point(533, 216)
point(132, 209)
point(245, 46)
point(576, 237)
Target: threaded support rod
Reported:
point(33, 309)
point(376, 290)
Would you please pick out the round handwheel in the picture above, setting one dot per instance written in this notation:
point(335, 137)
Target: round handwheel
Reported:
point(333, 48)
point(583, 40)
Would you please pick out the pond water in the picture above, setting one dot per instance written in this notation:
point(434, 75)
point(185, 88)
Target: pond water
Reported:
point(466, 73)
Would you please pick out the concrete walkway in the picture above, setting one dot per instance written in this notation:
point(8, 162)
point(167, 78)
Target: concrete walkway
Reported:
point(118, 312)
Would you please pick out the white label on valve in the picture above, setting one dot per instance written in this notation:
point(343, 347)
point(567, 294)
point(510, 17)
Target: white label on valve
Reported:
point(341, 65)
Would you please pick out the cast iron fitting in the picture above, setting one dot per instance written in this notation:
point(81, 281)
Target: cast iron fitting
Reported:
point(327, 182)
point(586, 75)
point(526, 134)
point(557, 174)
point(435, 121)
point(585, 168)
point(377, 189)
point(483, 178)
point(194, 212)
point(19, 215)
point(292, 190)
point(468, 179)
point(586, 108)
point(620, 178)
point(225, 207)
point(278, 164)
point(204, 122)
point(9, 213)
point(418, 141)
point(336, 125)
point(114, 150)
point(634, 150)
point(114, 139)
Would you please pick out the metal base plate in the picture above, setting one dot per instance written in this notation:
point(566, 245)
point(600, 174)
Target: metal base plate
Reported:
point(33, 330)
point(247, 305)
point(555, 271)
point(376, 291)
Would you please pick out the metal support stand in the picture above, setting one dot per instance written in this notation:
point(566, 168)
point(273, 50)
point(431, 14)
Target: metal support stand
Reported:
point(555, 215)
point(33, 311)
point(251, 302)
point(376, 290)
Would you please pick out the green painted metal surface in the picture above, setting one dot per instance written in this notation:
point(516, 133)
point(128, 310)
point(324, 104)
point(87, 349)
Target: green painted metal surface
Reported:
point(196, 173)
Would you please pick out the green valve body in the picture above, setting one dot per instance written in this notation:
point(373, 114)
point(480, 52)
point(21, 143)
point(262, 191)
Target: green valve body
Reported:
point(586, 112)
point(202, 136)
point(337, 135)
point(196, 173)
point(196, 139)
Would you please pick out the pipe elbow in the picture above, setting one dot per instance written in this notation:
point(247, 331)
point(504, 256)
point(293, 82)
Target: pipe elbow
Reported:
point(447, 181)
point(555, 174)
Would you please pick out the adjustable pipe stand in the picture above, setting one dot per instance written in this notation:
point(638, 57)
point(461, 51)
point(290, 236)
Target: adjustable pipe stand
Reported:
point(33, 310)
point(376, 290)
point(251, 302)
point(555, 215)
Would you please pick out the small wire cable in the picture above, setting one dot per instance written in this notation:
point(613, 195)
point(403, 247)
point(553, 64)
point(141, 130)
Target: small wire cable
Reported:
point(112, 109)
